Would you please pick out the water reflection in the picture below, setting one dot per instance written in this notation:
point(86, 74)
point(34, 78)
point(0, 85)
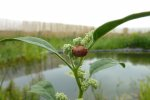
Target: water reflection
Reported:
point(22, 68)
point(134, 58)
point(115, 81)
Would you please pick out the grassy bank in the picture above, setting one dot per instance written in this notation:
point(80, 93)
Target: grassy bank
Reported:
point(15, 51)
point(11, 92)
point(115, 41)
point(12, 52)
point(145, 89)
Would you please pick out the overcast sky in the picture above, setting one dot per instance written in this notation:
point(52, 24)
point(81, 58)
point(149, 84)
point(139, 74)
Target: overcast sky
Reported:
point(84, 12)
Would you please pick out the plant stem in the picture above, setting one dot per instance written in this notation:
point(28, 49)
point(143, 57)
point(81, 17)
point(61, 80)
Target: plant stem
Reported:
point(80, 63)
point(64, 60)
point(72, 63)
point(75, 71)
point(80, 95)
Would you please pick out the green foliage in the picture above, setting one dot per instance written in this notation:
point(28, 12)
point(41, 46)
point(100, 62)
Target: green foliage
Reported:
point(133, 40)
point(38, 42)
point(14, 52)
point(103, 29)
point(11, 92)
point(103, 64)
point(35, 41)
point(44, 89)
point(145, 90)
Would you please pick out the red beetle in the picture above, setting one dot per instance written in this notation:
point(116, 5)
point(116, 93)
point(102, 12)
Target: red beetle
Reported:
point(79, 51)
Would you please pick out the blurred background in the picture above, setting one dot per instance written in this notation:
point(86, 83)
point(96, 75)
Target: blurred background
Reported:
point(60, 21)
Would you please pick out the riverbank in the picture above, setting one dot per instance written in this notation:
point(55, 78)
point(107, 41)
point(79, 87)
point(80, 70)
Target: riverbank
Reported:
point(123, 50)
point(12, 52)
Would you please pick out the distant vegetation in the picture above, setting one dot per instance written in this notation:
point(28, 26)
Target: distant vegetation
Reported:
point(115, 41)
point(145, 89)
point(11, 92)
point(20, 51)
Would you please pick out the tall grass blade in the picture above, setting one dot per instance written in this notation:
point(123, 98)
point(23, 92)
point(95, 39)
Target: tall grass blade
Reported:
point(103, 29)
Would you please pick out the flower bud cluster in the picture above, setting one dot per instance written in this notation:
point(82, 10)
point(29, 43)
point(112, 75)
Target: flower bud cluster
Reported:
point(89, 82)
point(88, 39)
point(61, 96)
point(77, 41)
point(84, 85)
point(81, 73)
point(67, 49)
point(93, 83)
point(80, 45)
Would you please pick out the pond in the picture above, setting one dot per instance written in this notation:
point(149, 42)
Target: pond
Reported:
point(115, 82)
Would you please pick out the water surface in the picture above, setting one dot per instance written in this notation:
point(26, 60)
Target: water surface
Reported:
point(114, 82)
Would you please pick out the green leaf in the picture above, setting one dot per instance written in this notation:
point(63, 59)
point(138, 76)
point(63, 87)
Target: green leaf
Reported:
point(44, 89)
point(123, 65)
point(38, 42)
point(103, 64)
point(35, 41)
point(103, 29)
